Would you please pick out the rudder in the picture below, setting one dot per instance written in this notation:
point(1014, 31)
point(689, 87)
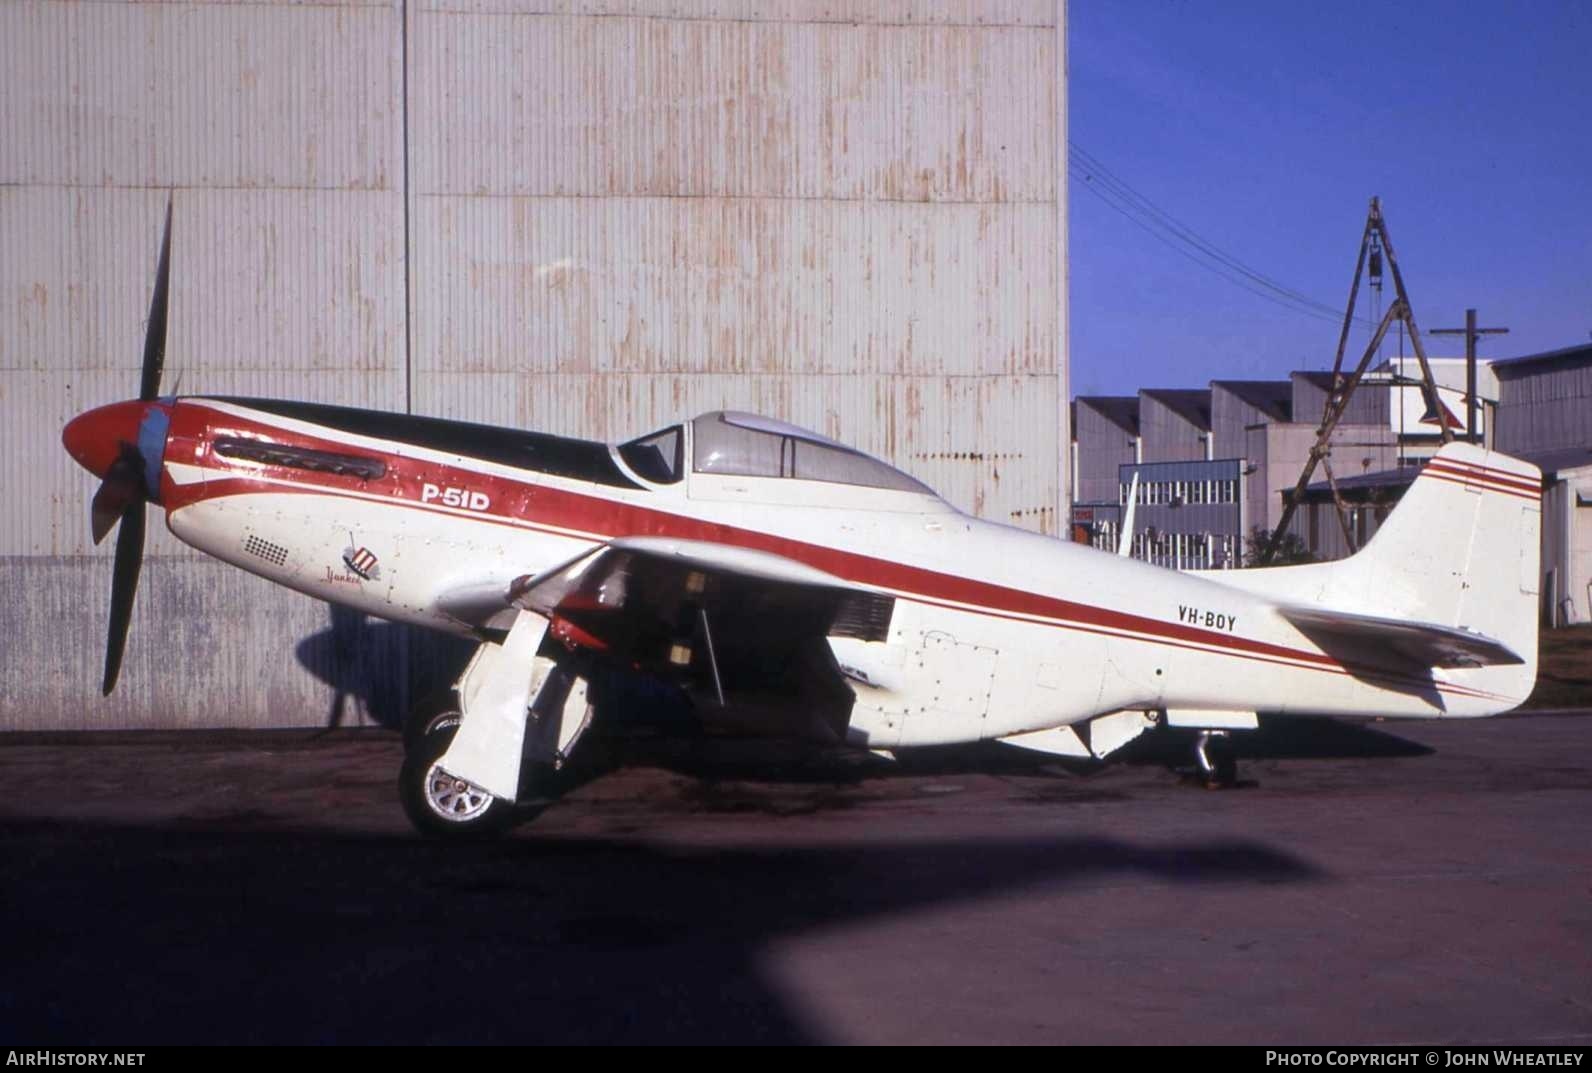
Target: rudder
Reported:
point(1462, 548)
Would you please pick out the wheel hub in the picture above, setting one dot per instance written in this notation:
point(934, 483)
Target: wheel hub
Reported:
point(453, 798)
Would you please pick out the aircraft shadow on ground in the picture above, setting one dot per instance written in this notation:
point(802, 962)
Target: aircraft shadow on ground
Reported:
point(1292, 737)
point(385, 668)
point(1283, 737)
point(144, 935)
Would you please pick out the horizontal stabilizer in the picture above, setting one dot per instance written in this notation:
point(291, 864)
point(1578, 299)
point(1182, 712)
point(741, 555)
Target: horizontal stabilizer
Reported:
point(1424, 643)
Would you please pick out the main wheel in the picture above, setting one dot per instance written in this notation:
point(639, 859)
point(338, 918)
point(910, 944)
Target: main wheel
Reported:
point(440, 711)
point(443, 805)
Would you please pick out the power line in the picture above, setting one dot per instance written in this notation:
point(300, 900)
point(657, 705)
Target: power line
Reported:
point(1184, 251)
point(1167, 229)
point(1117, 193)
point(1098, 172)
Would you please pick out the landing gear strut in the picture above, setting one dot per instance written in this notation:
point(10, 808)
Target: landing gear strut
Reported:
point(509, 723)
point(1213, 752)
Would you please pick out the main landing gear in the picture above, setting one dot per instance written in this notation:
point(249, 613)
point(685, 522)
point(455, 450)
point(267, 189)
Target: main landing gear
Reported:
point(486, 754)
point(440, 804)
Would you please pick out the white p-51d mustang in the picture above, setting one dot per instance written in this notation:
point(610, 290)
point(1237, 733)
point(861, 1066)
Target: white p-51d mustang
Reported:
point(797, 586)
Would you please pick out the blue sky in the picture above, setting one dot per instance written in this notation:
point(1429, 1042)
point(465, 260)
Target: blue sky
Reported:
point(1266, 128)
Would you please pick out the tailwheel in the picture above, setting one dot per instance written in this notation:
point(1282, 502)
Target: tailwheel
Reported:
point(443, 805)
point(1218, 764)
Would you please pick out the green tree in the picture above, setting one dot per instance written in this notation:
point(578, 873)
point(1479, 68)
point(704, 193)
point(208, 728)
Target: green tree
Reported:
point(1289, 550)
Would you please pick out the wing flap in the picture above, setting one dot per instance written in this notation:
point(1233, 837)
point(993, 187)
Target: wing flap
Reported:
point(1424, 643)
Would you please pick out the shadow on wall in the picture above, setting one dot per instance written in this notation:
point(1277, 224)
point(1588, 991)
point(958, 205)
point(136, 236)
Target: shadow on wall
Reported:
point(383, 667)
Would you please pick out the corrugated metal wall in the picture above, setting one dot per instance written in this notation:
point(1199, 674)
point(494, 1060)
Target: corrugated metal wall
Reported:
point(1545, 407)
point(1231, 417)
point(280, 128)
point(606, 216)
point(1168, 436)
point(1279, 452)
point(1103, 445)
point(1310, 392)
point(849, 224)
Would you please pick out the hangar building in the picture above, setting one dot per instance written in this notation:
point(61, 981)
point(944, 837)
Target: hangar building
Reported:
point(1545, 415)
point(1259, 434)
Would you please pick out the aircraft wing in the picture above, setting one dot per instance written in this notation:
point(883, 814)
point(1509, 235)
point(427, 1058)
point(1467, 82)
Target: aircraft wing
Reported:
point(747, 627)
point(1424, 643)
point(600, 571)
point(544, 591)
point(657, 578)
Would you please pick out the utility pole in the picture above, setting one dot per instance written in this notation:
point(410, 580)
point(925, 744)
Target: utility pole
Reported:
point(1470, 332)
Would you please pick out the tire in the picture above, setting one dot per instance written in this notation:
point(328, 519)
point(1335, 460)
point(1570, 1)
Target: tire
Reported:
point(441, 806)
point(440, 711)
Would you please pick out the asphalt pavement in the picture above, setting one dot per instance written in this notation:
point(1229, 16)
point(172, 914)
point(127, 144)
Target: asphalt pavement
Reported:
point(1387, 883)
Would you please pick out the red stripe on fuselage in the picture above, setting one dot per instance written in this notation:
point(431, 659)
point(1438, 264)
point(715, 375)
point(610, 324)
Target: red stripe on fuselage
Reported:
point(530, 505)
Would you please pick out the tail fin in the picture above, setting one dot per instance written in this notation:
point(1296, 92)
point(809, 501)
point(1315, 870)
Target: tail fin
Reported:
point(1461, 550)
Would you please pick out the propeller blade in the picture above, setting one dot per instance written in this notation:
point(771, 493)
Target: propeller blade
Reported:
point(122, 486)
point(155, 334)
point(122, 493)
point(124, 582)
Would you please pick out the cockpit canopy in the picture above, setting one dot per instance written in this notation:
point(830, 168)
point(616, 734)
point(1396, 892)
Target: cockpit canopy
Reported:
point(744, 445)
point(657, 456)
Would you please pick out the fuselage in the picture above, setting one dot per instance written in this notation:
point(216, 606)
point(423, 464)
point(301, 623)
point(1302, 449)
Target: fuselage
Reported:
point(995, 631)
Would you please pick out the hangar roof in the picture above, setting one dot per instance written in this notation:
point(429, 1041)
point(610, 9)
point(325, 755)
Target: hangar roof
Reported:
point(1191, 404)
point(1274, 398)
point(1566, 357)
point(1120, 410)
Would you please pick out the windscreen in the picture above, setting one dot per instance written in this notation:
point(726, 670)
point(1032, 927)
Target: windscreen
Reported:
point(656, 456)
